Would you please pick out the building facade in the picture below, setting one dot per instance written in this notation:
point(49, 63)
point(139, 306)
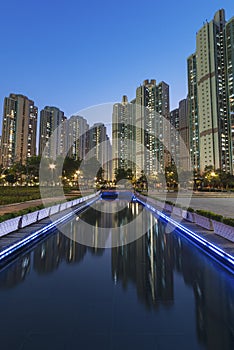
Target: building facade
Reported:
point(123, 136)
point(152, 127)
point(193, 114)
point(19, 127)
point(208, 98)
point(99, 148)
point(230, 77)
point(77, 128)
point(53, 133)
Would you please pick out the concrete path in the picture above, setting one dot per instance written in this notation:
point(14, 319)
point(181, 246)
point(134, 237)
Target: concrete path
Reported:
point(220, 203)
point(12, 208)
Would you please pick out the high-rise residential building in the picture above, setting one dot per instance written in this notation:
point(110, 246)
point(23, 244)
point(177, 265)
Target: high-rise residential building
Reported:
point(99, 147)
point(53, 130)
point(175, 139)
point(180, 155)
point(193, 114)
point(19, 128)
point(152, 127)
point(212, 95)
point(230, 77)
point(77, 128)
point(123, 136)
point(185, 162)
point(107, 166)
point(163, 108)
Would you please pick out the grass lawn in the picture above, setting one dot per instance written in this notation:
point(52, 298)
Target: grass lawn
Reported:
point(11, 195)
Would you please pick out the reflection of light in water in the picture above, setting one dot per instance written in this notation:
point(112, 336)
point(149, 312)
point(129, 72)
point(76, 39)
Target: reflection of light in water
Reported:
point(77, 219)
point(25, 262)
point(137, 209)
point(43, 252)
point(115, 278)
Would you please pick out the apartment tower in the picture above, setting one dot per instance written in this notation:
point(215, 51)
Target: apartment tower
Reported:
point(19, 127)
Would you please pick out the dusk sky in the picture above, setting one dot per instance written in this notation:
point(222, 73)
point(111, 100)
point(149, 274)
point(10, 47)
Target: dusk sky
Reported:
point(74, 54)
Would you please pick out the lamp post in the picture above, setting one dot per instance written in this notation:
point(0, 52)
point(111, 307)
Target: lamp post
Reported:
point(52, 166)
point(76, 177)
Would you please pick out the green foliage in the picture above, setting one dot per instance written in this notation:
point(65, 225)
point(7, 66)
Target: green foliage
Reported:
point(8, 216)
point(210, 215)
point(191, 210)
point(228, 221)
point(11, 178)
point(18, 194)
point(170, 203)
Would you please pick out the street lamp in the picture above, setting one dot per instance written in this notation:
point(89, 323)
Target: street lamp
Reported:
point(52, 166)
point(76, 176)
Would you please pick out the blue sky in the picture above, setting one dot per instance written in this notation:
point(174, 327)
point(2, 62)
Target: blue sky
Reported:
point(74, 54)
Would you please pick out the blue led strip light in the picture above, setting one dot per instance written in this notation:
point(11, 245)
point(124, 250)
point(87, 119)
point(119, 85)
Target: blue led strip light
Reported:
point(212, 248)
point(13, 248)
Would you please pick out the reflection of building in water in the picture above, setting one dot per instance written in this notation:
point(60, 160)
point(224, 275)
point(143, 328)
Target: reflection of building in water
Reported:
point(213, 297)
point(48, 255)
point(148, 262)
point(10, 277)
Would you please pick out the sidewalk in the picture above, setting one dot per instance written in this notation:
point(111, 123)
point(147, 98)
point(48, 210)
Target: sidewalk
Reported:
point(12, 208)
point(219, 203)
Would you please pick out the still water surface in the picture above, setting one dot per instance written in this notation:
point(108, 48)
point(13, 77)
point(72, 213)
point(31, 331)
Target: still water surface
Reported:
point(158, 292)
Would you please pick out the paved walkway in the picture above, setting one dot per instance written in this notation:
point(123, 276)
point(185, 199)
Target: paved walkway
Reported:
point(220, 203)
point(12, 208)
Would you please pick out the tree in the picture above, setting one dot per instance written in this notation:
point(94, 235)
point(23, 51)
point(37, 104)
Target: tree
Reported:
point(121, 174)
point(171, 176)
point(11, 178)
point(142, 183)
point(70, 166)
point(32, 168)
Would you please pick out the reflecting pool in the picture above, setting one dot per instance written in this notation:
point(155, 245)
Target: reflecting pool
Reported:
point(157, 292)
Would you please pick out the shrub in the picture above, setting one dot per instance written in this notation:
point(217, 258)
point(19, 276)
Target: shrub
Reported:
point(228, 221)
point(209, 214)
point(170, 203)
point(190, 209)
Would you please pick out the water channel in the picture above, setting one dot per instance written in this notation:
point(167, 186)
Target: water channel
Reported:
point(157, 292)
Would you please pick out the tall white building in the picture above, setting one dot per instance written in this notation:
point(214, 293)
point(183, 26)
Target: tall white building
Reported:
point(53, 131)
point(230, 77)
point(77, 128)
point(19, 127)
point(211, 92)
point(152, 127)
point(194, 145)
point(123, 136)
point(99, 147)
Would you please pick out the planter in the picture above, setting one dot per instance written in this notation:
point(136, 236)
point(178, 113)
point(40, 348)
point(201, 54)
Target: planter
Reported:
point(177, 211)
point(203, 222)
point(223, 230)
point(43, 213)
point(28, 219)
point(168, 207)
point(184, 213)
point(159, 204)
point(54, 209)
point(9, 226)
point(190, 216)
point(63, 206)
